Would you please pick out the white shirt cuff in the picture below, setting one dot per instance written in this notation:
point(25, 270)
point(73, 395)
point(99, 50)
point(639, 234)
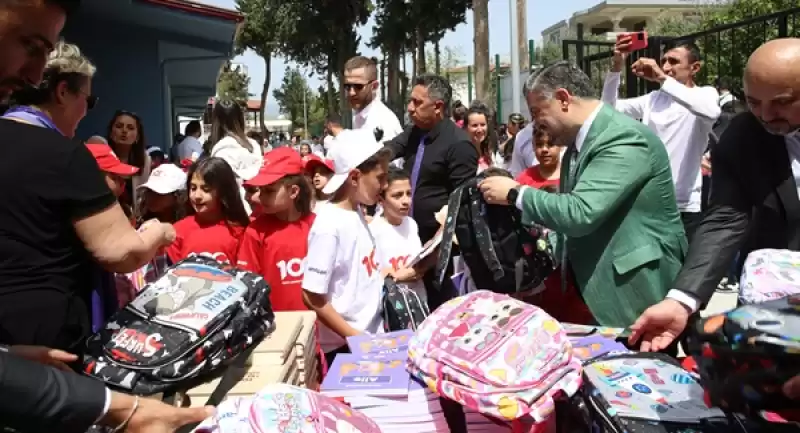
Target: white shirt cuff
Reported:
point(684, 298)
point(106, 406)
point(518, 203)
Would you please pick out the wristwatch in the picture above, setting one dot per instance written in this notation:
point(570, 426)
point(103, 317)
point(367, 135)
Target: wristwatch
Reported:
point(513, 195)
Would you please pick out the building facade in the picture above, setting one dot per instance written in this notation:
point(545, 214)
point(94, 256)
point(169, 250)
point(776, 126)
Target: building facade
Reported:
point(610, 17)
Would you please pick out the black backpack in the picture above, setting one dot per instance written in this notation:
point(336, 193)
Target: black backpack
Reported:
point(403, 308)
point(502, 255)
point(194, 320)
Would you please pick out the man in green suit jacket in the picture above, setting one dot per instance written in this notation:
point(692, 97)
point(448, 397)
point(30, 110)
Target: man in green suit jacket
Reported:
point(621, 232)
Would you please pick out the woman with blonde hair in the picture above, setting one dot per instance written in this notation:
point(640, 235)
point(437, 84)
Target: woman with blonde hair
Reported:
point(63, 98)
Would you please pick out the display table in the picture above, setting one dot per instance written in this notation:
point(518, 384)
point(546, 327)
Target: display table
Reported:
point(288, 355)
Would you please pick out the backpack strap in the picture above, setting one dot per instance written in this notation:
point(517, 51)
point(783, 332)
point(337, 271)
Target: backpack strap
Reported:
point(446, 247)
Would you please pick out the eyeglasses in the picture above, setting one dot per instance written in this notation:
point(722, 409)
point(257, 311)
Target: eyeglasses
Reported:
point(91, 100)
point(356, 86)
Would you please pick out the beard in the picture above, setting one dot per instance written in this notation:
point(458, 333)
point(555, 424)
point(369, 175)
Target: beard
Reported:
point(791, 130)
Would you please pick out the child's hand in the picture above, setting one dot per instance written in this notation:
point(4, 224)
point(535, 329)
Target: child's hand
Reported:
point(406, 275)
point(387, 272)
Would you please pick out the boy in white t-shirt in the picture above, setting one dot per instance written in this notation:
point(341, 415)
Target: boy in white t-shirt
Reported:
point(396, 234)
point(342, 282)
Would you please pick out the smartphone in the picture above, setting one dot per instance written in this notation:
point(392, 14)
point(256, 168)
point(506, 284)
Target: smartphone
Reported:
point(638, 40)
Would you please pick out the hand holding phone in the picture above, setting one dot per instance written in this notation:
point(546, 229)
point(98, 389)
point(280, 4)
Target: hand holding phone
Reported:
point(627, 42)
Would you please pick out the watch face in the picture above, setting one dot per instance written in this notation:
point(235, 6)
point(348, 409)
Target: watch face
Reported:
point(512, 196)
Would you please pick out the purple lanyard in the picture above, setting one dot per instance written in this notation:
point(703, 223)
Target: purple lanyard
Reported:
point(415, 171)
point(32, 115)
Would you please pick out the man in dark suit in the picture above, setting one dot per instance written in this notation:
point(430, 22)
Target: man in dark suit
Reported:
point(754, 200)
point(439, 156)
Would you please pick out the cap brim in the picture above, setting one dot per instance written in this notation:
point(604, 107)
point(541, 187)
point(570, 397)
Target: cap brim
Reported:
point(158, 188)
point(122, 169)
point(334, 183)
point(264, 179)
point(312, 164)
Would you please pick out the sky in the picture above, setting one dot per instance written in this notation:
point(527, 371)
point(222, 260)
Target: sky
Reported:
point(540, 15)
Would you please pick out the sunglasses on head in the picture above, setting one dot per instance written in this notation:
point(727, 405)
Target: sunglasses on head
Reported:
point(91, 101)
point(356, 86)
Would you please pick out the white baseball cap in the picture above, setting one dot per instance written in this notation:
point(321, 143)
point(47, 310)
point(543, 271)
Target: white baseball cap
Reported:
point(166, 179)
point(351, 148)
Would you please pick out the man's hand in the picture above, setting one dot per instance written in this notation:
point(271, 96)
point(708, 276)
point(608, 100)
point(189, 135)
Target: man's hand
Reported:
point(659, 325)
point(152, 416)
point(495, 189)
point(44, 355)
point(705, 163)
point(166, 231)
point(406, 275)
point(649, 70)
point(621, 50)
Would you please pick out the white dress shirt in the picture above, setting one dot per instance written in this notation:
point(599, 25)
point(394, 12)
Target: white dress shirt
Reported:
point(682, 117)
point(725, 97)
point(376, 115)
point(523, 155)
point(189, 148)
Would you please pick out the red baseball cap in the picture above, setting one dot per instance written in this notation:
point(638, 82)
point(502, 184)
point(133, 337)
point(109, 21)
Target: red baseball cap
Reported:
point(311, 161)
point(108, 161)
point(278, 163)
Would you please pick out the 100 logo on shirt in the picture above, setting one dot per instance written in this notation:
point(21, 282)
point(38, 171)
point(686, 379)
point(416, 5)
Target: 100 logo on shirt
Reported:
point(292, 268)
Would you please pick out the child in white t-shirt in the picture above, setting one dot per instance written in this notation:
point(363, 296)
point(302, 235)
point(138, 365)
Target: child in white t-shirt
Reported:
point(342, 282)
point(396, 234)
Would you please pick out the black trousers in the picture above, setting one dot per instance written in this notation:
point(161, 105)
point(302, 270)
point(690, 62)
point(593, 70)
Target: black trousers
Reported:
point(691, 221)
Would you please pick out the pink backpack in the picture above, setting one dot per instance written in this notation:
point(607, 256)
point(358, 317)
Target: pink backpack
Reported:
point(496, 355)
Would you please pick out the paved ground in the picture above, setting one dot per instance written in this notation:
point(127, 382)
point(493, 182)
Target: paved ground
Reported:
point(720, 302)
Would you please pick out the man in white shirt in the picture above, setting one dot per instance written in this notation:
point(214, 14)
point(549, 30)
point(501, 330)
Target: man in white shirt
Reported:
point(724, 89)
point(681, 114)
point(754, 204)
point(190, 147)
point(522, 156)
point(361, 86)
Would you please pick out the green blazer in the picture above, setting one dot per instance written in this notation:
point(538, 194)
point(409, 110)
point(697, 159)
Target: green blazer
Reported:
point(624, 238)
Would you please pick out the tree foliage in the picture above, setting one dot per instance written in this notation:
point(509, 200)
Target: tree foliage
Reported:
point(293, 96)
point(449, 58)
point(233, 83)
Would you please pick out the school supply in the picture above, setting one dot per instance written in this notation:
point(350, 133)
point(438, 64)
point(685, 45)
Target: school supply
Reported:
point(403, 308)
point(595, 346)
point(745, 356)
point(194, 320)
point(502, 254)
point(354, 375)
point(379, 345)
point(496, 355)
point(768, 275)
point(286, 408)
point(648, 393)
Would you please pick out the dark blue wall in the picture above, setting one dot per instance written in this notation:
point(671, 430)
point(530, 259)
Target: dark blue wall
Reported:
point(128, 74)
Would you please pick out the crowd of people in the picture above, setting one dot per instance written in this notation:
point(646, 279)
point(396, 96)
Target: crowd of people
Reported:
point(84, 224)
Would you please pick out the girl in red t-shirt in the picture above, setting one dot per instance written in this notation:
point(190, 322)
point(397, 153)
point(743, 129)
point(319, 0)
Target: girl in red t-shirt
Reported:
point(275, 244)
point(217, 217)
point(548, 154)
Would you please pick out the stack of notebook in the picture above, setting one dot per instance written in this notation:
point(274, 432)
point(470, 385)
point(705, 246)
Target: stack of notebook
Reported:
point(306, 347)
point(373, 379)
point(287, 355)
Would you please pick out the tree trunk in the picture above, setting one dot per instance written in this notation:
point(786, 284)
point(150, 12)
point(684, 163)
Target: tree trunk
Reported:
point(393, 78)
point(420, 42)
point(480, 19)
point(330, 94)
point(414, 58)
point(522, 34)
point(438, 57)
point(264, 92)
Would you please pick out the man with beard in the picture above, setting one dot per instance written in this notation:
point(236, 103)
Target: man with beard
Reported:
point(622, 237)
point(754, 200)
point(35, 396)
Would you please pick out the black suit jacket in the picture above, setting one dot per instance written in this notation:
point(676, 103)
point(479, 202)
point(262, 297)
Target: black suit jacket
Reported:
point(449, 160)
point(753, 205)
point(38, 398)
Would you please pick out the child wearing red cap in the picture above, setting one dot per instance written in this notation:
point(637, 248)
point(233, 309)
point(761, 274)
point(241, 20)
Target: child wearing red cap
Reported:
point(115, 170)
point(319, 171)
point(275, 244)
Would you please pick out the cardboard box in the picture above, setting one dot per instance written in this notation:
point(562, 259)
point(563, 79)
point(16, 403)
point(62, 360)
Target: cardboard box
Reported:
point(253, 378)
point(280, 345)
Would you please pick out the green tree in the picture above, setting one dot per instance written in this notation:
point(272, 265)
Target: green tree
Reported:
point(266, 28)
point(449, 58)
point(233, 83)
point(294, 96)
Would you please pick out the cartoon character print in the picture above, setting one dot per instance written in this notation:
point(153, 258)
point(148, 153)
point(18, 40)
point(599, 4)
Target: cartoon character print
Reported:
point(503, 312)
point(288, 417)
point(369, 367)
point(383, 343)
point(175, 295)
point(476, 339)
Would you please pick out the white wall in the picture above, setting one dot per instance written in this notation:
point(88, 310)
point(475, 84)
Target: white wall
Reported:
point(508, 99)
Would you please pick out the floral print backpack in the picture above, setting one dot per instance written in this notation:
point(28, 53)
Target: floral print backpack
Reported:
point(496, 355)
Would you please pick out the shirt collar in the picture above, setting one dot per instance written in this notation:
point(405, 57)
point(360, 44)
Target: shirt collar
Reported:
point(584, 131)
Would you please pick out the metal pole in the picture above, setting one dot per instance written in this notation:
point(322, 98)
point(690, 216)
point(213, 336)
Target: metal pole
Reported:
point(497, 86)
point(516, 85)
point(531, 55)
point(469, 84)
point(305, 113)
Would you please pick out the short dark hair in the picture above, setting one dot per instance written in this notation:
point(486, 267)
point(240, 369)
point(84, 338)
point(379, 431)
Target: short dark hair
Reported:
point(690, 47)
point(369, 64)
point(497, 171)
point(334, 118)
point(439, 89)
point(734, 107)
point(69, 6)
point(561, 75)
point(193, 128)
point(396, 174)
point(303, 201)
